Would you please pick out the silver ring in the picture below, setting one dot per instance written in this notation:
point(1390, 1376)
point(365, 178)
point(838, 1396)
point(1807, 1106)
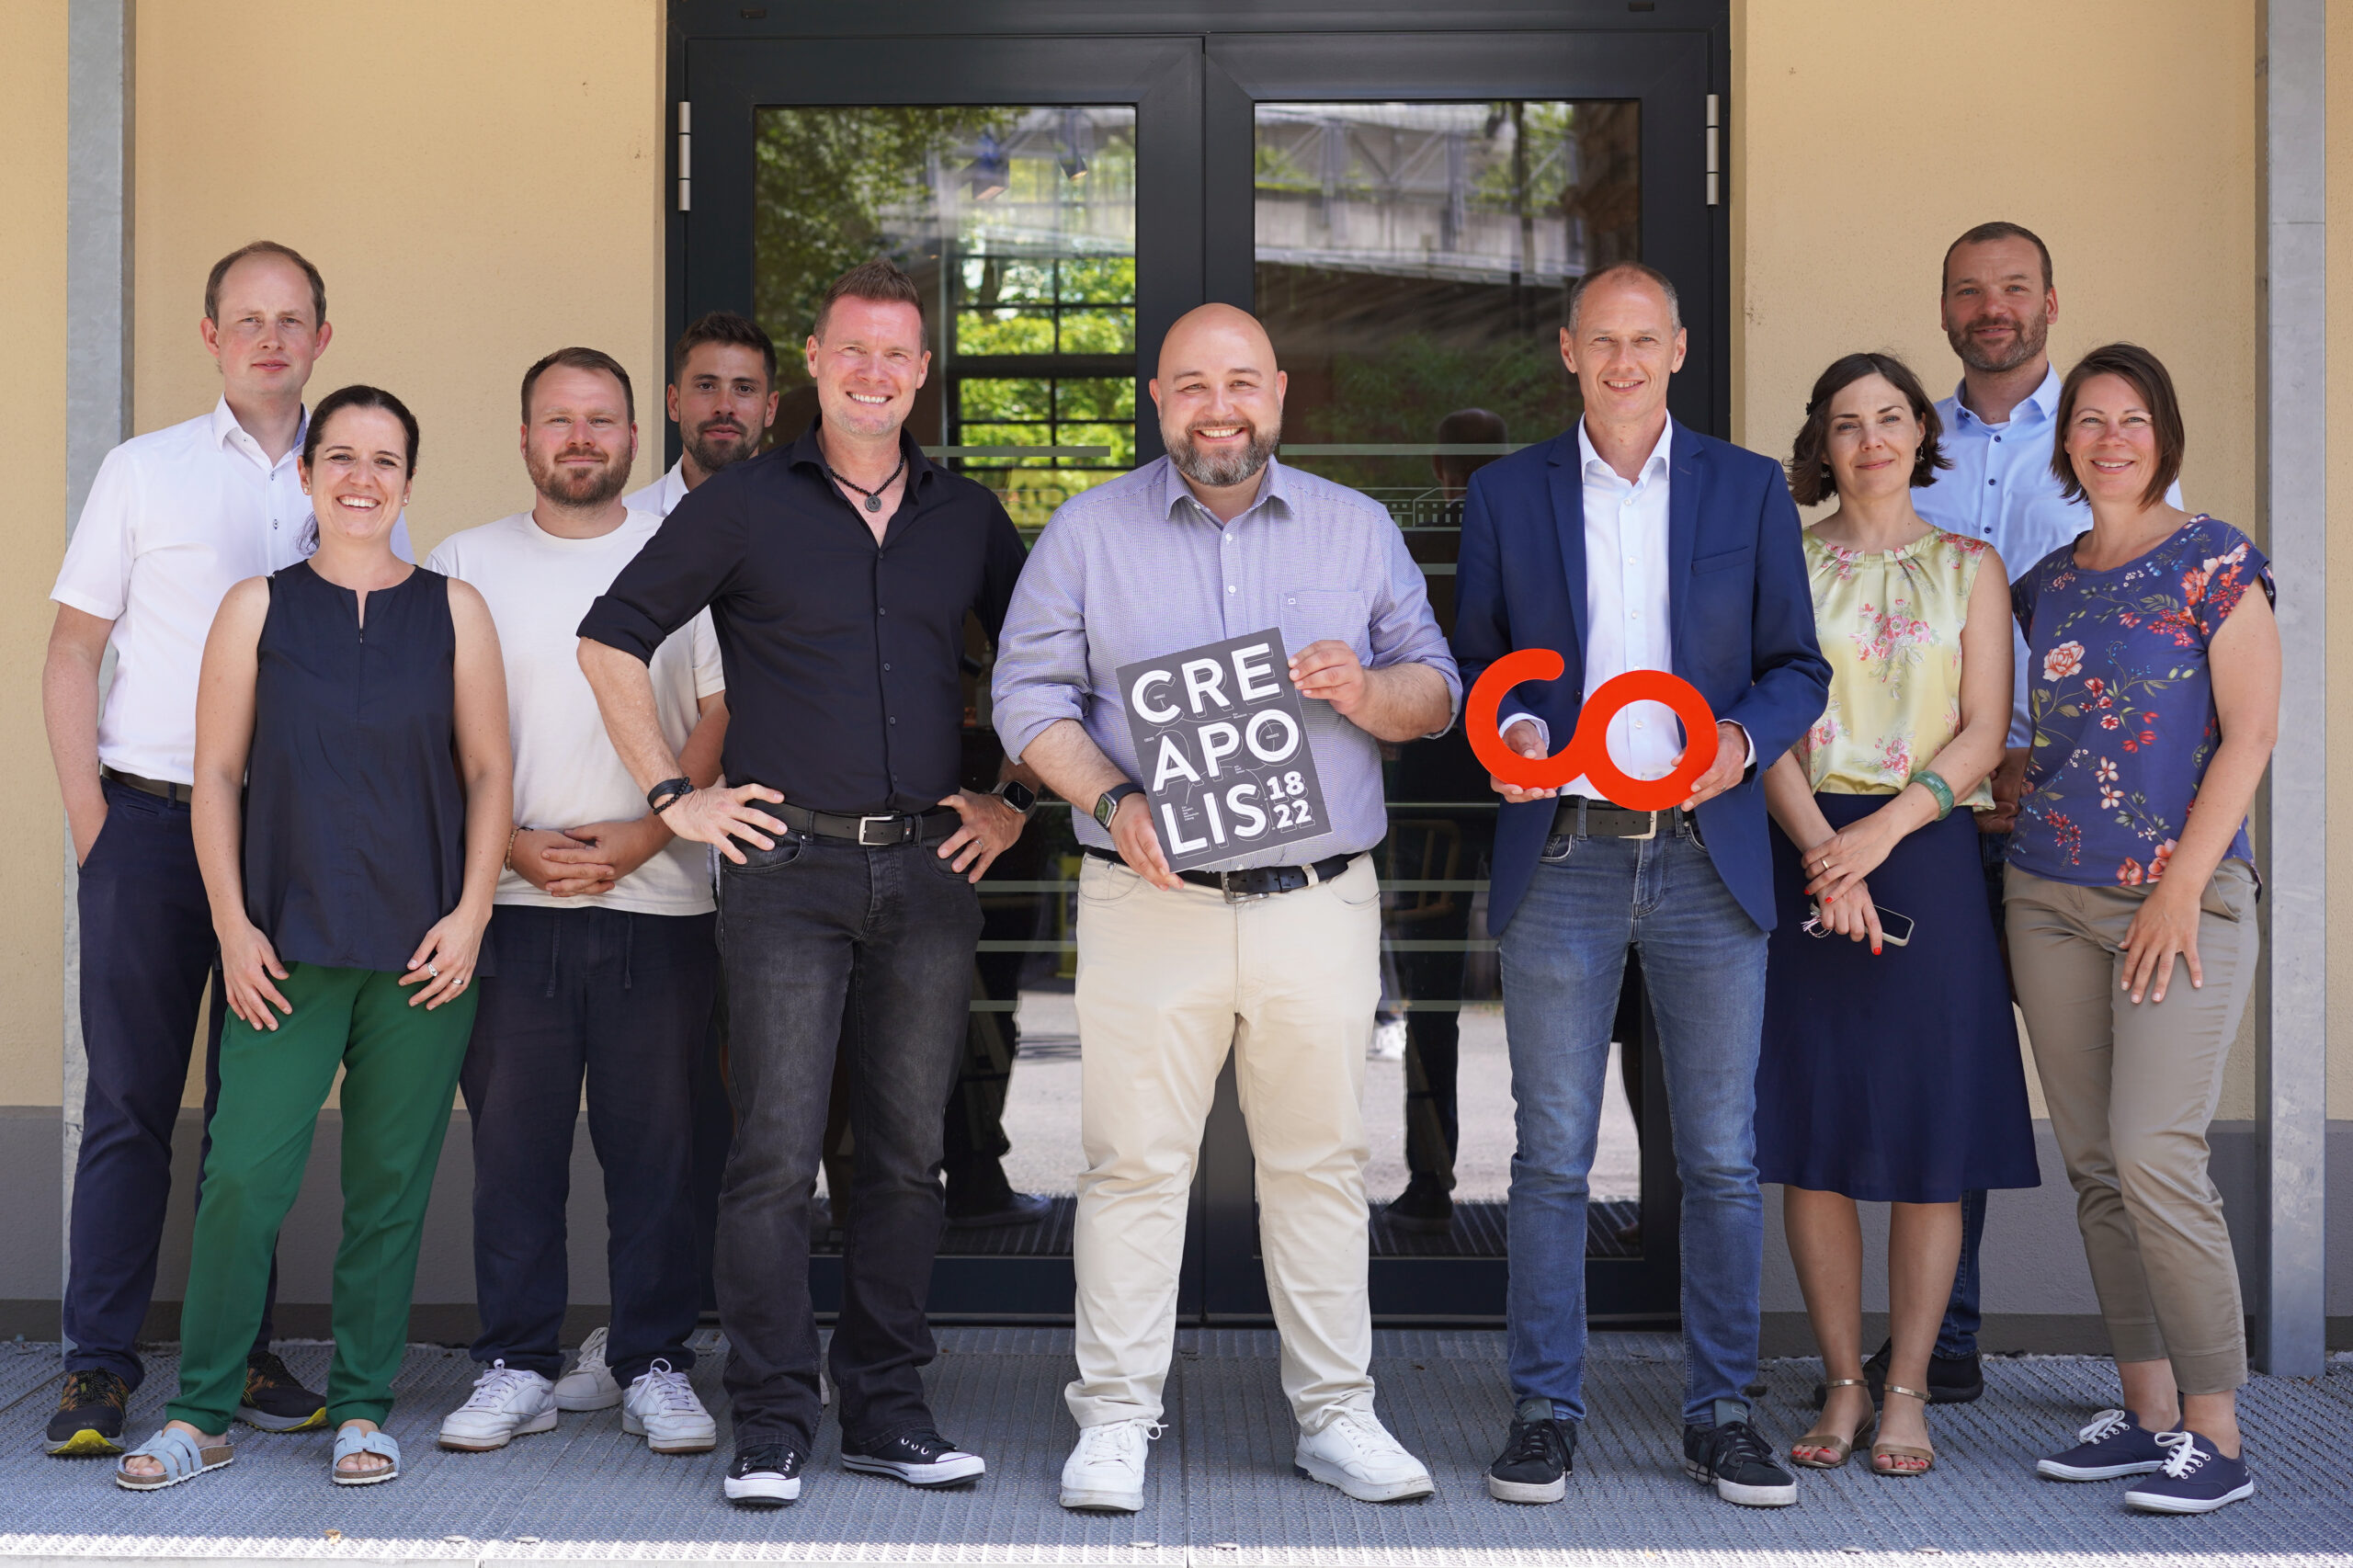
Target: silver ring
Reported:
point(433, 971)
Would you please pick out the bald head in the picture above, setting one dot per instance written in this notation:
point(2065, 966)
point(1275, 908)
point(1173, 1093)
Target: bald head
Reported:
point(1221, 397)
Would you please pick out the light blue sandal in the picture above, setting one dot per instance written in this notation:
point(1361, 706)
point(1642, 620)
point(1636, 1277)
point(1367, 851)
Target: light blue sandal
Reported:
point(350, 1440)
point(178, 1454)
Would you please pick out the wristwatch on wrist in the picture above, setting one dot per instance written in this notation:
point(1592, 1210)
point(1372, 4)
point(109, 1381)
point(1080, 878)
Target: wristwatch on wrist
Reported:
point(1107, 804)
point(1018, 795)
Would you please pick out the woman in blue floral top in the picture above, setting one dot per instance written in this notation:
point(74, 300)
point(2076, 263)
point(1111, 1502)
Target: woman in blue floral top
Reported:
point(2154, 694)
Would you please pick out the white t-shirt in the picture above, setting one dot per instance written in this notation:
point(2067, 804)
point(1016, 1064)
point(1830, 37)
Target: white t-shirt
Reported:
point(566, 772)
point(175, 519)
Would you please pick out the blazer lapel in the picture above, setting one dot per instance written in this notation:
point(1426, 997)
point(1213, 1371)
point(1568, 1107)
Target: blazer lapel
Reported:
point(1568, 517)
point(1682, 526)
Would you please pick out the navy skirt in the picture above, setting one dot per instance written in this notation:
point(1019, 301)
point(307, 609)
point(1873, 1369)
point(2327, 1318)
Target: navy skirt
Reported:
point(1893, 1079)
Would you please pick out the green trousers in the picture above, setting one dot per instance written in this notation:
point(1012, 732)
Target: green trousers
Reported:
point(400, 1075)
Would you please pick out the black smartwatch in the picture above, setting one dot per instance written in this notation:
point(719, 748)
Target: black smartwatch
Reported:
point(1107, 804)
point(1018, 795)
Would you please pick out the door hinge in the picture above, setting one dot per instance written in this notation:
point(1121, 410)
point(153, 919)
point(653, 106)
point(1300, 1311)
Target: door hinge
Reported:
point(686, 155)
point(1715, 134)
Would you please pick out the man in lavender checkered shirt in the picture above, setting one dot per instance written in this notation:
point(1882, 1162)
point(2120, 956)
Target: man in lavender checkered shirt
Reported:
point(1273, 955)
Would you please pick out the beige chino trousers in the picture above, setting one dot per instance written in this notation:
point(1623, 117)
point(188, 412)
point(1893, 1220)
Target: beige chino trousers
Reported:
point(1167, 983)
point(2131, 1089)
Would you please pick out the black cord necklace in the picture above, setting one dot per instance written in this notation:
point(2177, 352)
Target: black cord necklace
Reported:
point(874, 496)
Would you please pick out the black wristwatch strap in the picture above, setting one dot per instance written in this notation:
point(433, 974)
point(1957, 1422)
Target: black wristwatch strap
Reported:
point(1107, 803)
point(668, 793)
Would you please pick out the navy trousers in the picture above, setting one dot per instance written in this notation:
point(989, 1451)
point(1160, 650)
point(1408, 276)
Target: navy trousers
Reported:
point(624, 999)
point(147, 951)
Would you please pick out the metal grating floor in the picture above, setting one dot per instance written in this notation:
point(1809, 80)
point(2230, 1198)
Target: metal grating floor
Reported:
point(1221, 1491)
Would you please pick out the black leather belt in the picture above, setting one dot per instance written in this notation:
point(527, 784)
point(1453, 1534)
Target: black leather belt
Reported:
point(1259, 881)
point(1601, 820)
point(162, 789)
point(871, 832)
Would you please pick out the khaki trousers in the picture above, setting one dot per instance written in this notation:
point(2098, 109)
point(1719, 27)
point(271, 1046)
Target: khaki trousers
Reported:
point(2132, 1090)
point(1167, 983)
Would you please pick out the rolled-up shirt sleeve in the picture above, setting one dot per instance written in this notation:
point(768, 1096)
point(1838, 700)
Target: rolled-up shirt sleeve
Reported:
point(1404, 631)
point(1043, 676)
point(684, 567)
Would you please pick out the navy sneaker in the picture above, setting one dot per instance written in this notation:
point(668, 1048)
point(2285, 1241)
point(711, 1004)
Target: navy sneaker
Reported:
point(2196, 1478)
point(2112, 1446)
point(1542, 1452)
point(1731, 1456)
point(765, 1476)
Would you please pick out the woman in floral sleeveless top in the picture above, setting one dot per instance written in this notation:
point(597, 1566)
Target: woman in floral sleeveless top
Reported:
point(1888, 1071)
point(2156, 699)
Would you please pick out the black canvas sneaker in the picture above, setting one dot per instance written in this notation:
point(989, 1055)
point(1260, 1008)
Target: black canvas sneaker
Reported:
point(919, 1458)
point(765, 1476)
point(1738, 1463)
point(1536, 1462)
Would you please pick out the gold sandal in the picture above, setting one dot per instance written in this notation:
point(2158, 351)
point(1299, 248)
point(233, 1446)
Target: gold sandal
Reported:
point(1882, 1451)
point(1842, 1447)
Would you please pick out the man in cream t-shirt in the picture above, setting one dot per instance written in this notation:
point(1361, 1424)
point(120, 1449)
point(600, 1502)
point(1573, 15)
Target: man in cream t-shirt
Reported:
point(601, 957)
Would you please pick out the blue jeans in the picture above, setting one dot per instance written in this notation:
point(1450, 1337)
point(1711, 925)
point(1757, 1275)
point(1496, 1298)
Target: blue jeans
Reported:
point(1703, 963)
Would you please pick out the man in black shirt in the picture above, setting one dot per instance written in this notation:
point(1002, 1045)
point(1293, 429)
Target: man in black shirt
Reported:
point(838, 573)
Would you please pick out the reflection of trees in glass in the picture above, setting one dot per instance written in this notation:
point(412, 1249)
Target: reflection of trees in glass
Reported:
point(832, 188)
point(1401, 396)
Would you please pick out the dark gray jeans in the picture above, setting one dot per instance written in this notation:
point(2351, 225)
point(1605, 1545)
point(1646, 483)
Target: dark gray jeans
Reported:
point(829, 944)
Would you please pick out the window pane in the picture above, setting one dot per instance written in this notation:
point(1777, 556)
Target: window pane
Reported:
point(1413, 263)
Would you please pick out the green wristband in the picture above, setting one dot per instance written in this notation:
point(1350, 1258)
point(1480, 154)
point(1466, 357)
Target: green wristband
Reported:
point(1928, 779)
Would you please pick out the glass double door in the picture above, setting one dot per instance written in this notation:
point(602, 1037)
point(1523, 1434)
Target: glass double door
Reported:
point(1407, 213)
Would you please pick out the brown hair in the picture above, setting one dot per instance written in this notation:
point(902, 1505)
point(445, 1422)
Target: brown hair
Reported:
point(263, 247)
point(1997, 230)
point(880, 281)
point(2143, 371)
point(580, 359)
point(722, 327)
point(1811, 480)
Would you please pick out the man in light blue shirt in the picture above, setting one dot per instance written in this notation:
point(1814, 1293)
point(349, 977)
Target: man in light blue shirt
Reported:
point(1997, 305)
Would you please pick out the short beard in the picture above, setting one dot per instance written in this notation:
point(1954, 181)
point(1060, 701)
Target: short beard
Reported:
point(1225, 470)
point(2032, 335)
point(712, 459)
point(584, 491)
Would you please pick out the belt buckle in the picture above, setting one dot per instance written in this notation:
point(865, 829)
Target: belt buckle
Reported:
point(1653, 828)
point(1225, 889)
point(866, 843)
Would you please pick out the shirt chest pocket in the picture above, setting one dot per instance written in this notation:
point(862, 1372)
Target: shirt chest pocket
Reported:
point(1313, 614)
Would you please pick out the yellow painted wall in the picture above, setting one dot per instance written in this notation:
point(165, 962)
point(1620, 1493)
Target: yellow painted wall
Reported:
point(479, 184)
point(32, 529)
point(477, 188)
point(1859, 151)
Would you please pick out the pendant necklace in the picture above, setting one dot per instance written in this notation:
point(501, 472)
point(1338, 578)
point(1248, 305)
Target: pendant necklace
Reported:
point(874, 496)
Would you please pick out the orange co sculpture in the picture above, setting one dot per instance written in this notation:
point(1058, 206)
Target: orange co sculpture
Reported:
point(1587, 753)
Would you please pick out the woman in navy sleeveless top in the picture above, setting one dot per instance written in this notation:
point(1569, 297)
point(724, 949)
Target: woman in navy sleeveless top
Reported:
point(352, 804)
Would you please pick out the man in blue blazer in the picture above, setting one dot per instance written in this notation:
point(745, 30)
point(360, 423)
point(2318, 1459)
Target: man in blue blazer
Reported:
point(1630, 542)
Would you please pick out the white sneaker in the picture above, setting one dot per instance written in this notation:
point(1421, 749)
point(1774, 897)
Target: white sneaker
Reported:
point(589, 1385)
point(1388, 1041)
point(1356, 1454)
point(1106, 1471)
point(662, 1408)
point(505, 1403)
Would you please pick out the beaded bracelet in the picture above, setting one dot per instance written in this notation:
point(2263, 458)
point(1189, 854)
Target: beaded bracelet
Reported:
point(1930, 780)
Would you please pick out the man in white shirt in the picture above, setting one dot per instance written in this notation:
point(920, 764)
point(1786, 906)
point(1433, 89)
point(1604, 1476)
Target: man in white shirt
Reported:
point(173, 520)
point(600, 960)
point(1997, 304)
point(722, 398)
